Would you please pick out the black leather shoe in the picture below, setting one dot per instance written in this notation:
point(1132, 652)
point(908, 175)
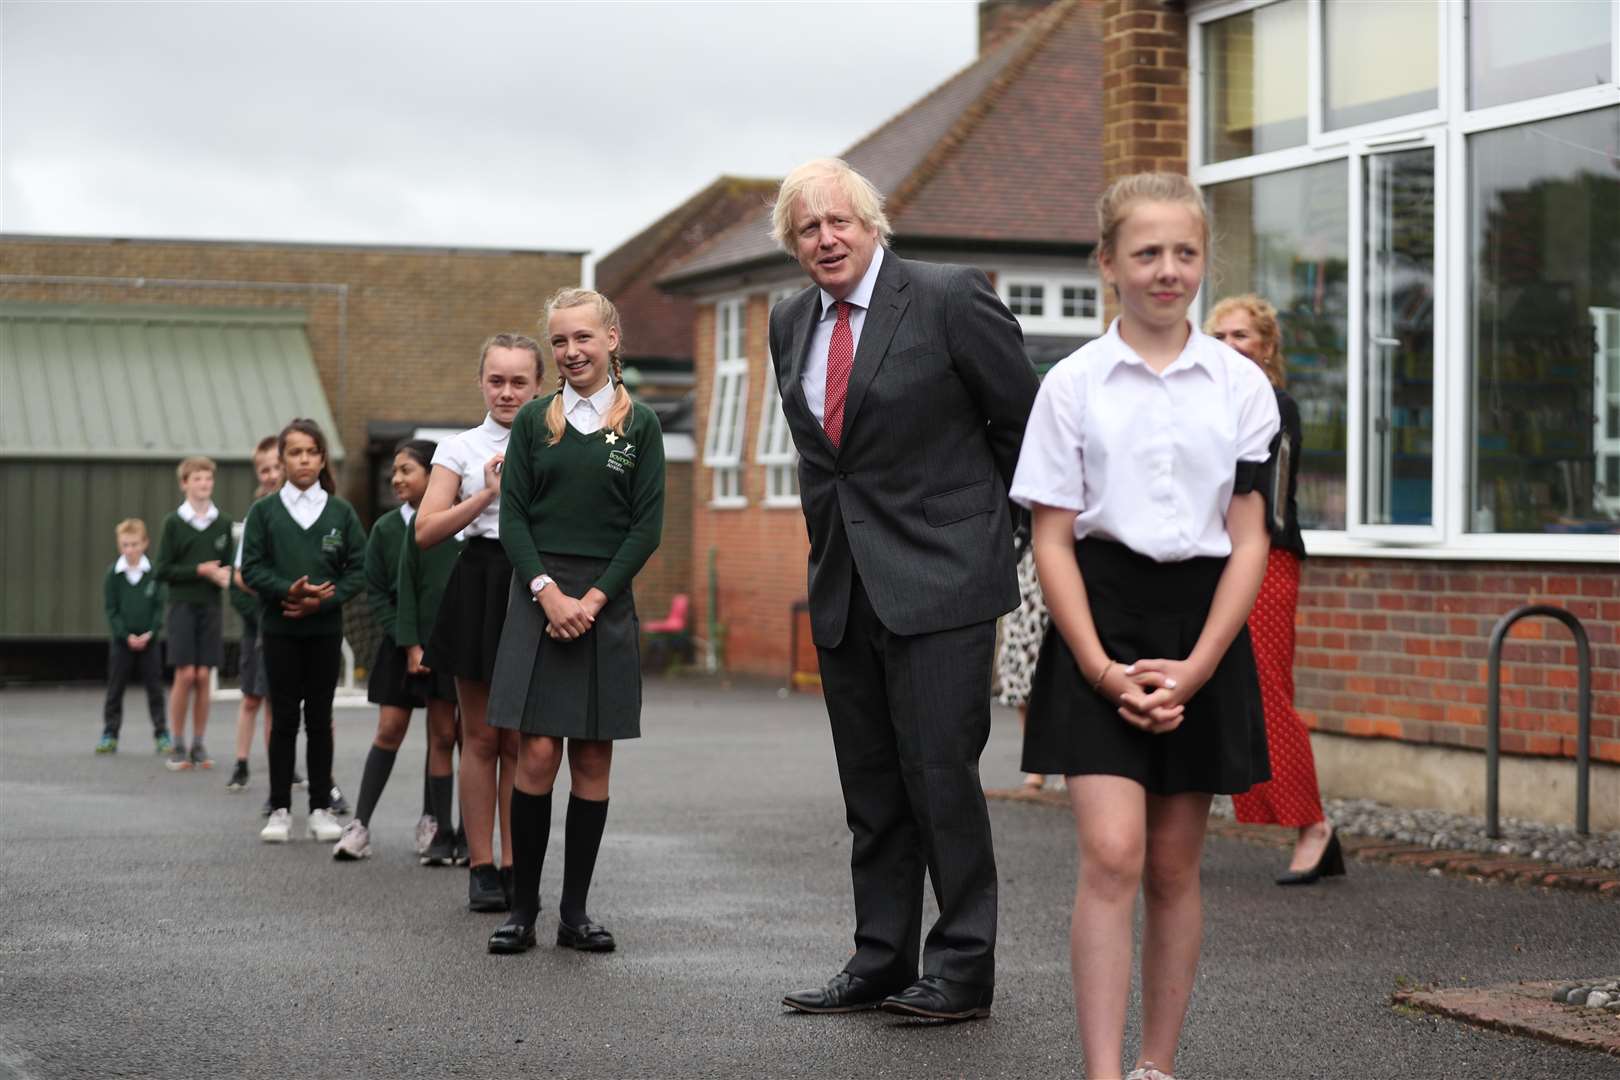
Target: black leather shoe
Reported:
point(512, 937)
point(844, 993)
point(484, 892)
point(586, 937)
point(934, 998)
point(1331, 864)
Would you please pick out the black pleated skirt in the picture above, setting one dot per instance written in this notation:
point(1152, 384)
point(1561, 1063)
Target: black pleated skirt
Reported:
point(467, 632)
point(1148, 610)
point(587, 688)
point(386, 683)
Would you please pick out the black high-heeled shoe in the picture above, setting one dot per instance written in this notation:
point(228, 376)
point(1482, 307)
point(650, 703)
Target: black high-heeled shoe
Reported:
point(1331, 864)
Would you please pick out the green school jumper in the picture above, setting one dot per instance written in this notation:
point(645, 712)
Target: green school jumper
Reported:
point(382, 570)
point(181, 548)
point(133, 609)
point(423, 576)
point(276, 552)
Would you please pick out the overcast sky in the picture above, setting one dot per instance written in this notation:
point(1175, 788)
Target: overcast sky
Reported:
point(534, 125)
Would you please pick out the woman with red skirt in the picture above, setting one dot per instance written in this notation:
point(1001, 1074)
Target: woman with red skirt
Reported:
point(1249, 325)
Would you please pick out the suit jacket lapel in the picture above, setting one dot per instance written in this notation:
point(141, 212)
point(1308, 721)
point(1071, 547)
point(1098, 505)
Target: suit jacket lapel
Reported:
point(793, 400)
point(889, 302)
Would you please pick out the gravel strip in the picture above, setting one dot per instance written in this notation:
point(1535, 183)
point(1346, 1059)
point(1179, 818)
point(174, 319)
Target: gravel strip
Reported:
point(1462, 832)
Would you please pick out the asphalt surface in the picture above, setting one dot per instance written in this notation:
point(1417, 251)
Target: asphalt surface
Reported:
point(144, 930)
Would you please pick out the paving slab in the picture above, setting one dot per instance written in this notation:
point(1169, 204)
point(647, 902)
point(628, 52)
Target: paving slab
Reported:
point(1522, 1008)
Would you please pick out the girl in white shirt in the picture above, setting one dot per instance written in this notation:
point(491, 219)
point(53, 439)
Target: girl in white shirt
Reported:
point(1140, 464)
point(464, 495)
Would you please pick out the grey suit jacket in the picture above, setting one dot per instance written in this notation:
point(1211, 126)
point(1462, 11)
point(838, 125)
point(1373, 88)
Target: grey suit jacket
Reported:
point(915, 498)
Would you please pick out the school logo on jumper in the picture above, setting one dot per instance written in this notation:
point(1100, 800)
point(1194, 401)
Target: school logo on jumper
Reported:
point(219, 544)
point(151, 589)
point(332, 541)
point(621, 458)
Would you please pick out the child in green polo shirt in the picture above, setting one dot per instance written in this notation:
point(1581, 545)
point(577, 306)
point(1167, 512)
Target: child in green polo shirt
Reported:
point(194, 554)
point(134, 599)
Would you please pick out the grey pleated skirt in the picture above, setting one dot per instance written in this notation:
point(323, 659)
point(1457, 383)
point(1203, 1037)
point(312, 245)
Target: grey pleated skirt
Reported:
point(587, 688)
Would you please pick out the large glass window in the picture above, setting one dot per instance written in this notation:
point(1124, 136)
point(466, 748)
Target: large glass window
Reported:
point(1286, 237)
point(1398, 380)
point(1544, 209)
point(1254, 81)
point(722, 448)
point(775, 450)
point(1520, 49)
point(1383, 60)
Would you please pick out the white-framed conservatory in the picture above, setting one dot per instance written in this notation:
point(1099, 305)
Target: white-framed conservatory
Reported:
point(1429, 192)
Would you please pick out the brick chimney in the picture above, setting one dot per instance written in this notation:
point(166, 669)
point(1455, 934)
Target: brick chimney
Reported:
point(1001, 19)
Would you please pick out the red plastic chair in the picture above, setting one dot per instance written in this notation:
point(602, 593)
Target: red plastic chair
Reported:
point(675, 622)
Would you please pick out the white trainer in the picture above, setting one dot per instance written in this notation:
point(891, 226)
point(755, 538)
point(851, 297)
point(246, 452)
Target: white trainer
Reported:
point(278, 829)
point(427, 827)
point(355, 843)
point(323, 826)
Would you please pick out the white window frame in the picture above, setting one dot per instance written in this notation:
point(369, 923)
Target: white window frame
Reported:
point(728, 406)
point(1447, 128)
point(774, 449)
point(1052, 320)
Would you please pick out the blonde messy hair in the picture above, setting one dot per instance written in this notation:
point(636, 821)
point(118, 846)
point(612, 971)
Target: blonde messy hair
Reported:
point(130, 527)
point(195, 464)
point(1263, 317)
point(809, 182)
point(619, 412)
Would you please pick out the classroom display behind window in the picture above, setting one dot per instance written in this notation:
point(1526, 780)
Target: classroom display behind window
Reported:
point(1286, 237)
point(1544, 209)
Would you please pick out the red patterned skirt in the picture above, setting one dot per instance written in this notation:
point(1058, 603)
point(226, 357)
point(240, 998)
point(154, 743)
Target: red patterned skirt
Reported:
point(1290, 797)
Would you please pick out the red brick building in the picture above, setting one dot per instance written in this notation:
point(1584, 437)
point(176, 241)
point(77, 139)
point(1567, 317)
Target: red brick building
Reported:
point(999, 168)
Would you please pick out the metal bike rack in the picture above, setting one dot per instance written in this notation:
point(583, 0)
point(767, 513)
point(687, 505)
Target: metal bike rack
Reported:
point(1493, 732)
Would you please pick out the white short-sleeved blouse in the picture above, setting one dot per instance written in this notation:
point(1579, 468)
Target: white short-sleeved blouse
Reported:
point(465, 455)
point(1147, 460)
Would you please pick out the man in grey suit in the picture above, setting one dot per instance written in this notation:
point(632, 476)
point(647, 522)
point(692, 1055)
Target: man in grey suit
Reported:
point(906, 389)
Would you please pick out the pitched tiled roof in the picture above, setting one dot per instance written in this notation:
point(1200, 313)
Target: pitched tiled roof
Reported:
point(1007, 150)
point(656, 323)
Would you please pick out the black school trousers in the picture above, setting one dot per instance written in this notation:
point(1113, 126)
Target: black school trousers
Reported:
point(123, 662)
point(303, 674)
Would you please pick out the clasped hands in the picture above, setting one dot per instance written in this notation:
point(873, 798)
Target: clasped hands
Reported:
point(566, 617)
point(303, 599)
point(214, 571)
point(1152, 694)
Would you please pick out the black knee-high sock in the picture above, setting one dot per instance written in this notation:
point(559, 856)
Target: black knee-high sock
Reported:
point(379, 764)
point(531, 828)
point(582, 836)
point(427, 790)
point(441, 789)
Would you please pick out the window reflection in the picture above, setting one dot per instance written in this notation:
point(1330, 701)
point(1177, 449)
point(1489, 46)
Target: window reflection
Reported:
point(1545, 232)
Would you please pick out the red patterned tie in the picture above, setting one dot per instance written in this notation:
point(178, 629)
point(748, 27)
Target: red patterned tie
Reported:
point(840, 361)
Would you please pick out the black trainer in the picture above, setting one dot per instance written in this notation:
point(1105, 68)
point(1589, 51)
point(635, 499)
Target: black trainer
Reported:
point(339, 805)
point(239, 779)
point(299, 781)
point(484, 892)
point(461, 857)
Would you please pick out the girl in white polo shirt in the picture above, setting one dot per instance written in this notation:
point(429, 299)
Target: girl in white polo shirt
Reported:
point(1141, 465)
point(464, 495)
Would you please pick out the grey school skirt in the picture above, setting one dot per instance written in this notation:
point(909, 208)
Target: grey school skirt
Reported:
point(587, 688)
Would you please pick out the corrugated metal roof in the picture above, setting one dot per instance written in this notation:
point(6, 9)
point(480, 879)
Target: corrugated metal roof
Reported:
point(131, 382)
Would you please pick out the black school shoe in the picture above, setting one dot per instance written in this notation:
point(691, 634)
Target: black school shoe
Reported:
point(441, 852)
point(484, 892)
point(512, 937)
point(586, 937)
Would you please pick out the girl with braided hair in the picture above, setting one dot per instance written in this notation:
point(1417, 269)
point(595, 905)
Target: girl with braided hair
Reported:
point(582, 511)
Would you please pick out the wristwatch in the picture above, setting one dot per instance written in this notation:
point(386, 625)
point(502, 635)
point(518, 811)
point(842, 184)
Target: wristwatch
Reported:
point(538, 585)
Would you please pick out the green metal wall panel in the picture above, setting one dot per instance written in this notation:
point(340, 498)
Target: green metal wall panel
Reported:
point(56, 538)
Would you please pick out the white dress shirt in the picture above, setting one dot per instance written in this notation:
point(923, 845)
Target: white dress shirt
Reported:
point(586, 414)
point(406, 512)
point(465, 455)
point(133, 574)
point(195, 520)
point(814, 376)
point(1147, 459)
point(305, 506)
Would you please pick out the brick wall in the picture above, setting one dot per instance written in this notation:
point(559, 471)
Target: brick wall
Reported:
point(415, 317)
point(1144, 88)
point(1397, 649)
point(761, 553)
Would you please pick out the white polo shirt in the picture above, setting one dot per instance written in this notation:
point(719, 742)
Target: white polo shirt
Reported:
point(1146, 459)
point(305, 506)
point(586, 414)
point(465, 455)
point(195, 520)
point(133, 574)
